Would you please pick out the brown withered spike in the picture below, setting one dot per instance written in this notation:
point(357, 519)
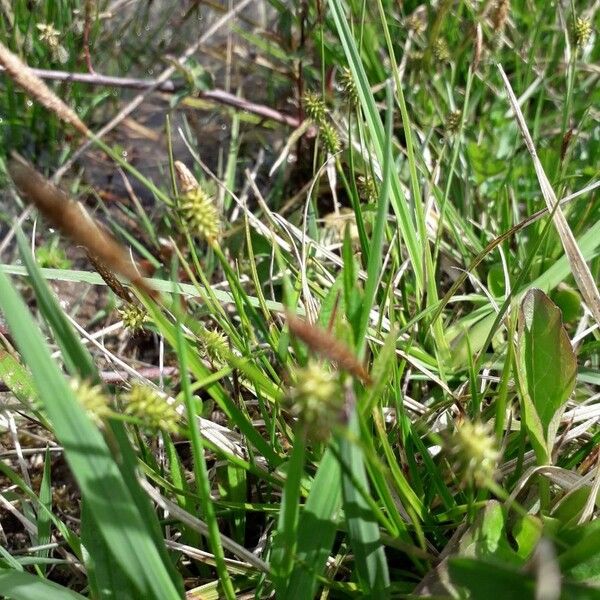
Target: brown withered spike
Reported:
point(72, 220)
point(323, 343)
point(111, 280)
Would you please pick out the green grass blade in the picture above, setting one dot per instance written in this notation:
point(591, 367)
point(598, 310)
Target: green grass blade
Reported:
point(20, 585)
point(316, 530)
point(405, 222)
point(363, 530)
point(201, 472)
point(284, 546)
point(90, 460)
point(44, 522)
point(376, 249)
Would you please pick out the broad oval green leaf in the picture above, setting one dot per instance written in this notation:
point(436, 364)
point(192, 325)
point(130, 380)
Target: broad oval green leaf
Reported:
point(21, 585)
point(547, 364)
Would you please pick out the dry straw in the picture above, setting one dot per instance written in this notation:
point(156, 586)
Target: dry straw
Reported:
point(24, 77)
point(581, 272)
point(500, 15)
point(187, 181)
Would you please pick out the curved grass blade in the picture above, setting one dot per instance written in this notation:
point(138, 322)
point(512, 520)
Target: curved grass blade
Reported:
point(581, 272)
point(81, 365)
point(363, 531)
point(115, 514)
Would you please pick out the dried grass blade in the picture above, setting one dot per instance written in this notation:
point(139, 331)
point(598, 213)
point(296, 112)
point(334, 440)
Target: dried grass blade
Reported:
point(581, 272)
point(24, 77)
point(185, 177)
point(72, 219)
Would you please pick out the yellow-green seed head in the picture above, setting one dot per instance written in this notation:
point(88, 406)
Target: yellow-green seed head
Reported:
point(147, 405)
point(330, 137)
point(92, 398)
point(215, 344)
point(475, 452)
point(367, 190)
point(441, 50)
point(416, 22)
point(453, 121)
point(315, 107)
point(316, 398)
point(582, 31)
point(133, 317)
point(200, 215)
point(349, 86)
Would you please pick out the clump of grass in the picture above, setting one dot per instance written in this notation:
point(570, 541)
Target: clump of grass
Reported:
point(327, 415)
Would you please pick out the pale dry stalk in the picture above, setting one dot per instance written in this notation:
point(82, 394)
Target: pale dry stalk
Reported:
point(25, 78)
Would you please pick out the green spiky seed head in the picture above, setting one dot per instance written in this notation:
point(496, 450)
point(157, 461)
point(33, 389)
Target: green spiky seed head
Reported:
point(214, 344)
point(330, 137)
point(200, 214)
point(147, 405)
point(453, 121)
point(582, 31)
point(92, 399)
point(316, 398)
point(315, 107)
point(441, 50)
point(349, 86)
point(475, 452)
point(367, 190)
point(133, 317)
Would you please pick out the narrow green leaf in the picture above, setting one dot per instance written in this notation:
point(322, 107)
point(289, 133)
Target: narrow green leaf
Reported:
point(376, 250)
point(381, 370)
point(363, 529)
point(15, 376)
point(316, 530)
point(82, 366)
point(104, 575)
point(45, 496)
point(485, 580)
point(367, 101)
point(88, 455)
point(284, 546)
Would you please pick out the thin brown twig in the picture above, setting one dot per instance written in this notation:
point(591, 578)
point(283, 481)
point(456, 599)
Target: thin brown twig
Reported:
point(106, 80)
point(215, 95)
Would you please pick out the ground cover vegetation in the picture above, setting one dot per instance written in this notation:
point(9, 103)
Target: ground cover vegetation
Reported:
point(299, 299)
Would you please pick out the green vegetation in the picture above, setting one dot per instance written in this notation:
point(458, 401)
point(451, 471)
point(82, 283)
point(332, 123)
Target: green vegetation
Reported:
point(365, 358)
